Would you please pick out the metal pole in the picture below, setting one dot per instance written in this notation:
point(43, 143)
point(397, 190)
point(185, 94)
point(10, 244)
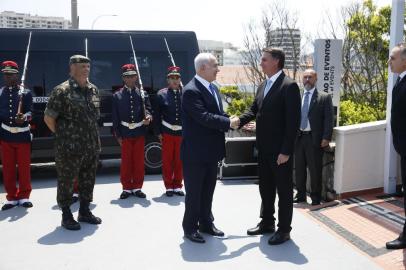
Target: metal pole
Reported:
point(391, 157)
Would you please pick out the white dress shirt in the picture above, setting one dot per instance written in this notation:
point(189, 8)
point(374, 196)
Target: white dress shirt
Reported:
point(311, 91)
point(270, 81)
point(401, 75)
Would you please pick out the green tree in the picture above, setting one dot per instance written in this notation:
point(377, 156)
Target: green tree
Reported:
point(365, 54)
point(237, 100)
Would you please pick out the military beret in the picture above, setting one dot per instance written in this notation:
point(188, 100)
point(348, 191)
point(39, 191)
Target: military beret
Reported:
point(77, 59)
point(128, 70)
point(9, 67)
point(173, 71)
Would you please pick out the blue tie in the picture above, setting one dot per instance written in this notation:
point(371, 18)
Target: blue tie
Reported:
point(305, 111)
point(267, 87)
point(213, 92)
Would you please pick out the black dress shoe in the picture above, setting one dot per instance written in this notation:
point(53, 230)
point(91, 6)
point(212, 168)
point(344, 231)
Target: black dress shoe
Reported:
point(261, 228)
point(7, 206)
point(195, 237)
point(279, 238)
point(315, 202)
point(124, 195)
point(212, 230)
point(179, 193)
point(140, 194)
point(169, 193)
point(299, 200)
point(398, 243)
point(27, 204)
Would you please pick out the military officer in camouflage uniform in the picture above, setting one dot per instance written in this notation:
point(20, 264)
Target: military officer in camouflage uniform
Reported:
point(72, 113)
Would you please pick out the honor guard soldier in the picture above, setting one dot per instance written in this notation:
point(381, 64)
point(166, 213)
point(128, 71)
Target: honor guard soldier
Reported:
point(15, 113)
point(131, 114)
point(168, 127)
point(72, 113)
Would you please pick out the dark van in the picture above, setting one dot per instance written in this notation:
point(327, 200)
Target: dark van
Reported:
point(109, 50)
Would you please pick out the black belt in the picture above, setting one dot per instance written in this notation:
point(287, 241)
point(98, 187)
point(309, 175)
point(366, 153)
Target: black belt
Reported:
point(301, 132)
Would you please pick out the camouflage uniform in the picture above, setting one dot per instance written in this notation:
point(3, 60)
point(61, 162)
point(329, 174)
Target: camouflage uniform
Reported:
point(77, 141)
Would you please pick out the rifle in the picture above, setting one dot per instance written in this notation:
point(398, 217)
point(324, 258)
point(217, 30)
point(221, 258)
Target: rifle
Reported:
point(139, 77)
point(22, 91)
point(172, 60)
point(86, 48)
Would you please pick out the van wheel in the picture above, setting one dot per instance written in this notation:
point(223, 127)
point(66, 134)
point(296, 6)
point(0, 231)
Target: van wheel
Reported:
point(153, 157)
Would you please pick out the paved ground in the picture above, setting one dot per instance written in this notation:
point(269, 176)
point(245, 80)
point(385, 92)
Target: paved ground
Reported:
point(367, 222)
point(147, 234)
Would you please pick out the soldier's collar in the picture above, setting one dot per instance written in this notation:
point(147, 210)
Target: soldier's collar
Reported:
point(175, 90)
point(130, 89)
point(75, 84)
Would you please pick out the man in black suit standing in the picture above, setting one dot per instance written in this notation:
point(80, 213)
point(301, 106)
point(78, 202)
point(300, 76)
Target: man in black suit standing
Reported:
point(316, 129)
point(203, 146)
point(276, 109)
point(397, 64)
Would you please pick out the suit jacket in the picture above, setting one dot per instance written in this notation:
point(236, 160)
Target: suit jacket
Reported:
point(277, 116)
point(398, 117)
point(203, 125)
point(321, 117)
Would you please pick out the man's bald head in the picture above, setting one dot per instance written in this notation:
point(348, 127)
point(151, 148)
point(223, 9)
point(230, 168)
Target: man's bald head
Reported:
point(309, 79)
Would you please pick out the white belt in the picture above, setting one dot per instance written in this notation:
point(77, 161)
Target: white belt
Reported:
point(173, 127)
point(132, 125)
point(15, 129)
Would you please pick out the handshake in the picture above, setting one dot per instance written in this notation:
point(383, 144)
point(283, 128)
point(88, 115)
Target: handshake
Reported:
point(234, 122)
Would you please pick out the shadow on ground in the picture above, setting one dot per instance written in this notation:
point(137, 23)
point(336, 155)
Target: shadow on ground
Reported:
point(130, 202)
point(62, 236)
point(13, 214)
point(174, 200)
point(215, 250)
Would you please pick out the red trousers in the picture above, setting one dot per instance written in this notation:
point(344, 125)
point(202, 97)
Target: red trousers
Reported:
point(171, 163)
point(132, 163)
point(13, 155)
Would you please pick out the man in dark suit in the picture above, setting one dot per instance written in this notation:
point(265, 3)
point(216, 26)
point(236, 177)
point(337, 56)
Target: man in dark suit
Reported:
point(397, 63)
point(316, 128)
point(203, 146)
point(276, 109)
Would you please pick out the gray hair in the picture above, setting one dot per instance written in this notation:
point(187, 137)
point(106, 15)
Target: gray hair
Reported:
point(203, 59)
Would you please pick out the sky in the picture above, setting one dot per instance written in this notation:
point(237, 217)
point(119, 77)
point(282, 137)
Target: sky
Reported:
point(211, 19)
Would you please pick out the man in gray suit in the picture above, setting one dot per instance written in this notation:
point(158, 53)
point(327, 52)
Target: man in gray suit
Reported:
point(316, 128)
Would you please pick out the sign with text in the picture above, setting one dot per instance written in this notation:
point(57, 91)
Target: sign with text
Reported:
point(328, 63)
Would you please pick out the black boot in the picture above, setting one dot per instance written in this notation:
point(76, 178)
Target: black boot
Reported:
point(68, 222)
point(85, 215)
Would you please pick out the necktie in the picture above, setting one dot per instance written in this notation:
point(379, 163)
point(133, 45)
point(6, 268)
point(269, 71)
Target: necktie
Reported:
point(305, 111)
point(397, 81)
point(213, 92)
point(267, 87)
